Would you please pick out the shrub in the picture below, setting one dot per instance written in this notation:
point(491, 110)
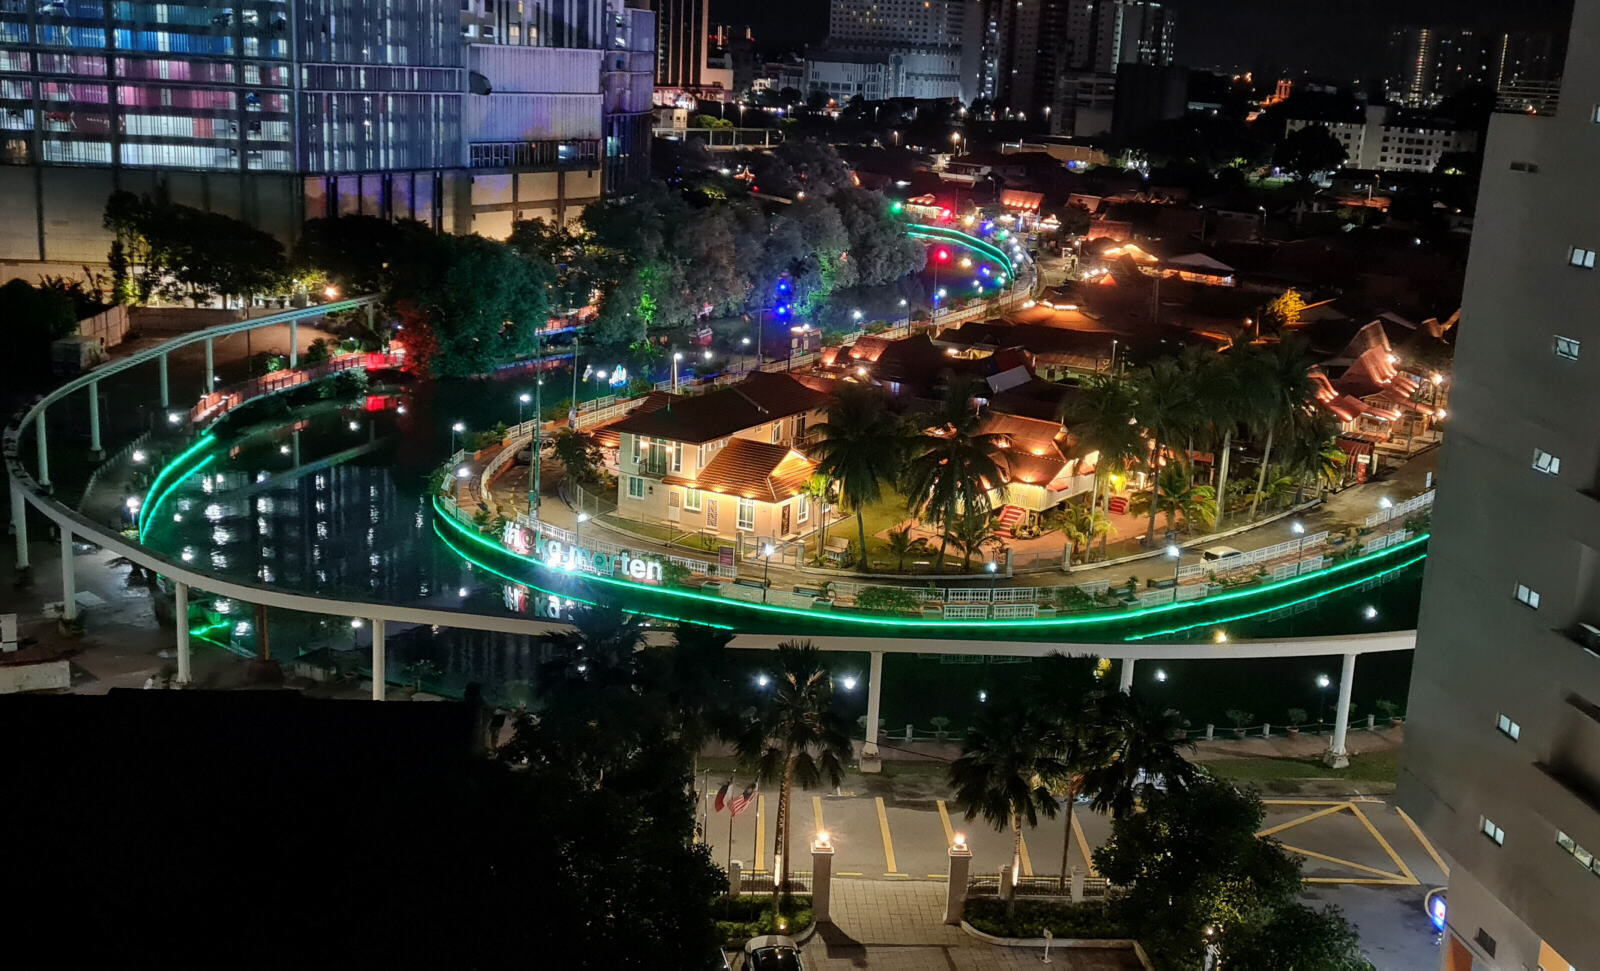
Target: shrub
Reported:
point(1072, 598)
point(750, 915)
point(345, 384)
point(1387, 707)
point(890, 599)
point(1240, 717)
point(1296, 717)
point(1085, 921)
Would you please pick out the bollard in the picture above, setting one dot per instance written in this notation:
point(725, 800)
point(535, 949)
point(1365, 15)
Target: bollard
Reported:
point(735, 878)
point(821, 877)
point(909, 738)
point(1266, 730)
point(1371, 722)
point(1211, 733)
point(1077, 884)
point(955, 899)
point(1008, 888)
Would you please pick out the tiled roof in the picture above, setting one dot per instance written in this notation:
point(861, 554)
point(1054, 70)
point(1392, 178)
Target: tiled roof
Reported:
point(754, 470)
point(758, 399)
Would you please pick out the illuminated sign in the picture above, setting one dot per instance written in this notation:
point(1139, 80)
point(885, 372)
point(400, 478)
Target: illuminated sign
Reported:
point(566, 556)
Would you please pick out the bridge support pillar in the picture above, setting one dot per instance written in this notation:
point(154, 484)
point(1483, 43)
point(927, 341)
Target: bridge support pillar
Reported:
point(869, 748)
point(211, 366)
point(378, 658)
point(180, 620)
point(166, 391)
point(95, 451)
point(1337, 757)
point(19, 525)
point(44, 451)
point(294, 344)
point(69, 578)
point(1125, 676)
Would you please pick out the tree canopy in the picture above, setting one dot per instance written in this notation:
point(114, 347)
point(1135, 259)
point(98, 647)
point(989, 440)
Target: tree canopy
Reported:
point(188, 253)
point(1306, 151)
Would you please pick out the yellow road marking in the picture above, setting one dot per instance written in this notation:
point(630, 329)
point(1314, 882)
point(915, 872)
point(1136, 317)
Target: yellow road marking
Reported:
point(1349, 863)
point(1424, 841)
point(888, 844)
point(944, 817)
point(761, 835)
point(1027, 864)
point(1303, 802)
point(899, 876)
point(1083, 846)
point(1391, 882)
point(1385, 844)
point(850, 873)
point(1304, 819)
point(938, 876)
point(816, 813)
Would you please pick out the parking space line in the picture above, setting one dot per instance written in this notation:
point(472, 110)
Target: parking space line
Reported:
point(1027, 864)
point(1349, 863)
point(944, 817)
point(1434, 854)
point(1385, 844)
point(816, 814)
point(888, 844)
point(761, 835)
point(1328, 811)
point(1083, 846)
point(851, 873)
point(1366, 881)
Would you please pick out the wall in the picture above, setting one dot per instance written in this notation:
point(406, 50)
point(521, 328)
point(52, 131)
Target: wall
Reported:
point(46, 676)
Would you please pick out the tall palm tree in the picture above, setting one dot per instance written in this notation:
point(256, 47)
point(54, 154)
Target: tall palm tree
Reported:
point(815, 492)
point(1065, 690)
point(1215, 379)
point(861, 448)
point(1083, 525)
point(969, 533)
point(1140, 753)
point(1282, 374)
point(1311, 451)
point(1010, 763)
point(900, 545)
point(794, 736)
point(1179, 496)
point(1102, 419)
point(1166, 410)
point(954, 468)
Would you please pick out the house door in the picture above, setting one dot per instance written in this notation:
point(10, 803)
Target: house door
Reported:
point(783, 529)
point(674, 507)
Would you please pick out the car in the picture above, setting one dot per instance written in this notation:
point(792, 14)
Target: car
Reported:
point(1216, 553)
point(772, 952)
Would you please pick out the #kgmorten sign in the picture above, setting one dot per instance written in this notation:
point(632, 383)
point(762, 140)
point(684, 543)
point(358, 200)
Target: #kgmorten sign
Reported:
point(566, 556)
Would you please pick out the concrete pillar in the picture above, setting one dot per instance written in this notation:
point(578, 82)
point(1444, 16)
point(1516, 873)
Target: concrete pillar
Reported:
point(295, 437)
point(1008, 885)
point(869, 748)
point(1125, 676)
point(1077, 884)
point(211, 366)
point(821, 877)
point(1337, 757)
point(19, 524)
point(166, 392)
point(95, 451)
point(69, 579)
point(735, 877)
point(378, 659)
point(955, 899)
point(44, 451)
point(180, 618)
point(294, 343)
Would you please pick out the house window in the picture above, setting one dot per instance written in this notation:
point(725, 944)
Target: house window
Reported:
point(635, 487)
point(1545, 462)
point(677, 456)
point(777, 428)
point(1528, 596)
point(691, 500)
point(1492, 831)
point(1484, 941)
point(1567, 347)
point(1583, 856)
point(1579, 257)
point(638, 444)
point(1525, 166)
point(799, 427)
point(802, 509)
point(1508, 728)
point(655, 458)
point(747, 514)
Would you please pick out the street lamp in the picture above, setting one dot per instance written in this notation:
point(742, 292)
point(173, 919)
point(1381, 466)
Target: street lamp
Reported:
point(676, 357)
point(855, 315)
point(1322, 695)
point(1177, 558)
point(766, 569)
point(522, 402)
point(1386, 504)
point(1300, 548)
point(849, 682)
point(1161, 675)
point(994, 573)
point(583, 517)
point(455, 430)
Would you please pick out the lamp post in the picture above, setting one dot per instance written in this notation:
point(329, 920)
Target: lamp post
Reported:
point(522, 402)
point(538, 420)
point(1386, 504)
point(766, 570)
point(583, 517)
point(1177, 559)
point(744, 344)
point(676, 357)
point(1322, 695)
point(994, 573)
point(456, 430)
point(1300, 548)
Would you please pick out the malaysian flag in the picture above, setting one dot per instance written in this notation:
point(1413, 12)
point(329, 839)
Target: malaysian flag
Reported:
point(741, 802)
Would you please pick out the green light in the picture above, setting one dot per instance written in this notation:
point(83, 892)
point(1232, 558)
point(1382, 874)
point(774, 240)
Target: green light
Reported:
point(156, 484)
point(163, 497)
point(897, 206)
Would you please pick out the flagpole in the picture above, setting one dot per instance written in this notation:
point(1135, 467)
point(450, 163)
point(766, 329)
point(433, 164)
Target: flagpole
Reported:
point(729, 867)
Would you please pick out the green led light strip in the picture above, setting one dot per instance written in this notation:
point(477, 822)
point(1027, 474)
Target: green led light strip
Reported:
point(958, 238)
point(1267, 610)
point(178, 481)
point(183, 456)
point(898, 622)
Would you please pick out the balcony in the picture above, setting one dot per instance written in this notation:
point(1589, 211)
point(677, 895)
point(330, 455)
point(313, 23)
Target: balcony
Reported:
point(1528, 98)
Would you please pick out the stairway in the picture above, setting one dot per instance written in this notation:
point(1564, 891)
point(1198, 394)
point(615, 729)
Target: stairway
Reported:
point(1010, 516)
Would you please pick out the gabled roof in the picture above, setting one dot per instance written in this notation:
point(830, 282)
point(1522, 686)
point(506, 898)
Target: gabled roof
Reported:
point(758, 399)
point(1200, 263)
point(752, 470)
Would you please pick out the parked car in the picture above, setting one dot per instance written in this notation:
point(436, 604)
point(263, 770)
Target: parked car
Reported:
point(773, 952)
point(1215, 553)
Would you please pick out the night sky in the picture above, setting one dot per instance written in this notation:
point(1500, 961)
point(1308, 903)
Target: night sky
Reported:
point(1335, 38)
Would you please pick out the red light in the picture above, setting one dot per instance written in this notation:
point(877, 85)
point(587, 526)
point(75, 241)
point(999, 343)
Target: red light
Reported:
point(943, 256)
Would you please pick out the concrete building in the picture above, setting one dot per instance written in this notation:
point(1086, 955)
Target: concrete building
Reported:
point(463, 117)
point(932, 48)
point(1429, 64)
point(1375, 144)
point(901, 72)
point(683, 36)
point(1502, 758)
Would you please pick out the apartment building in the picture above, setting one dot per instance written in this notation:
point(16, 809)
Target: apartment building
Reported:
point(1379, 143)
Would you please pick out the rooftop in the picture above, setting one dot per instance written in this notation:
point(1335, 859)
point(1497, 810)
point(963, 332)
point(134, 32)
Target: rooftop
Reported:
point(758, 399)
point(753, 470)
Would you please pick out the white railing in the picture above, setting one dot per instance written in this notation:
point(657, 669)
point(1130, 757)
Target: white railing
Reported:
point(966, 611)
point(967, 596)
point(1402, 509)
point(1015, 611)
point(1006, 595)
point(1266, 554)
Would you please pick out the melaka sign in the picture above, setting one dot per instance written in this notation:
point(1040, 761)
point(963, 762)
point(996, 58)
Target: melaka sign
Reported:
point(566, 556)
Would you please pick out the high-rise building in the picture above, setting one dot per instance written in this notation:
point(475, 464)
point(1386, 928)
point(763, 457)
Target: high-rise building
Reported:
point(1429, 64)
point(1501, 766)
point(922, 49)
point(464, 117)
point(683, 38)
point(896, 22)
point(1035, 44)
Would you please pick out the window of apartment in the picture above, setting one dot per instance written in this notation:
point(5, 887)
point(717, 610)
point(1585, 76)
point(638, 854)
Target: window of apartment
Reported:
point(635, 487)
point(1545, 462)
point(1583, 856)
point(691, 500)
point(1579, 257)
point(637, 445)
point(799, 427)
point(1492, 831)
point(777, 429)
point(1484, 941)
point(1508, 728)
point(677, 456)
point(1525, 166)
point(1567, 347)
point(747, 514)
point(1528, 596)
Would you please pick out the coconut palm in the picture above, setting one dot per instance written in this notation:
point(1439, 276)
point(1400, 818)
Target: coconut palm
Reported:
point(953, 468)
point(1101, 417)
point(794, 736)
point(900, 545)
point(1082, 525)
point(1220, 401)
point(815, 492)
point(1066, 690)
point(1139, 755)
point(969, 533)
point(1010, 763)
point(1165, 409)
point(1311, 451)
point(1282, 374)
point(1179, 496)
point(861, 448)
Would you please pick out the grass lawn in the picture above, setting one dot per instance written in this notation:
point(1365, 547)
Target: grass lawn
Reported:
point(1377, 767)
point(887, 512)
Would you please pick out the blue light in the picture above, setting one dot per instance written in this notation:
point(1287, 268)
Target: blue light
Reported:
point(984, 271)
point(988, 226)
point(1436, 913)
point(783, 286)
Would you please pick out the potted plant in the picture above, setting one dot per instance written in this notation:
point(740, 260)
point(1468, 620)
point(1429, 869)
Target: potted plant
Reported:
point(1240, 718)
point(1296, 718)
point(941, 725)
point(1390, 711)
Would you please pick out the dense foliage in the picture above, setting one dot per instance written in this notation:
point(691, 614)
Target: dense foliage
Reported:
point(181, 252)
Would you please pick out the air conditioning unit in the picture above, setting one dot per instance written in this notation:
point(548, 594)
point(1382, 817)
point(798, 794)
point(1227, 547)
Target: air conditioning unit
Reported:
point(1589, 637)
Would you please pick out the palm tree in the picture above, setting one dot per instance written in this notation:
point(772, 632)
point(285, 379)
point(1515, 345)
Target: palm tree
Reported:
point(1282, 374)
point(1009, 764)
point(860, 448)
point(1082, 525)
point(1102, 419)
point(1312, 451)
point(970, 533)
point(815, 492)
point(954, 468)
point(794, 736)
point(1166, 410)
point(1138, 754)
point(1066, 690)
point(900, 545)
point(1219, 396)
point(1179, 495)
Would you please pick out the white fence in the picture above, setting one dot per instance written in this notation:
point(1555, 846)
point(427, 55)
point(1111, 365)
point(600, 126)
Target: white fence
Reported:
point(1402, 509)
point(1266, 554)
point(955, 611)
point(1386, 540)
point(1015, 611)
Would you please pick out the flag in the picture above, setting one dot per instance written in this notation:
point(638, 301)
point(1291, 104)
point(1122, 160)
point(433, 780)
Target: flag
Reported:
point(742, 801)
point(722, 794)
